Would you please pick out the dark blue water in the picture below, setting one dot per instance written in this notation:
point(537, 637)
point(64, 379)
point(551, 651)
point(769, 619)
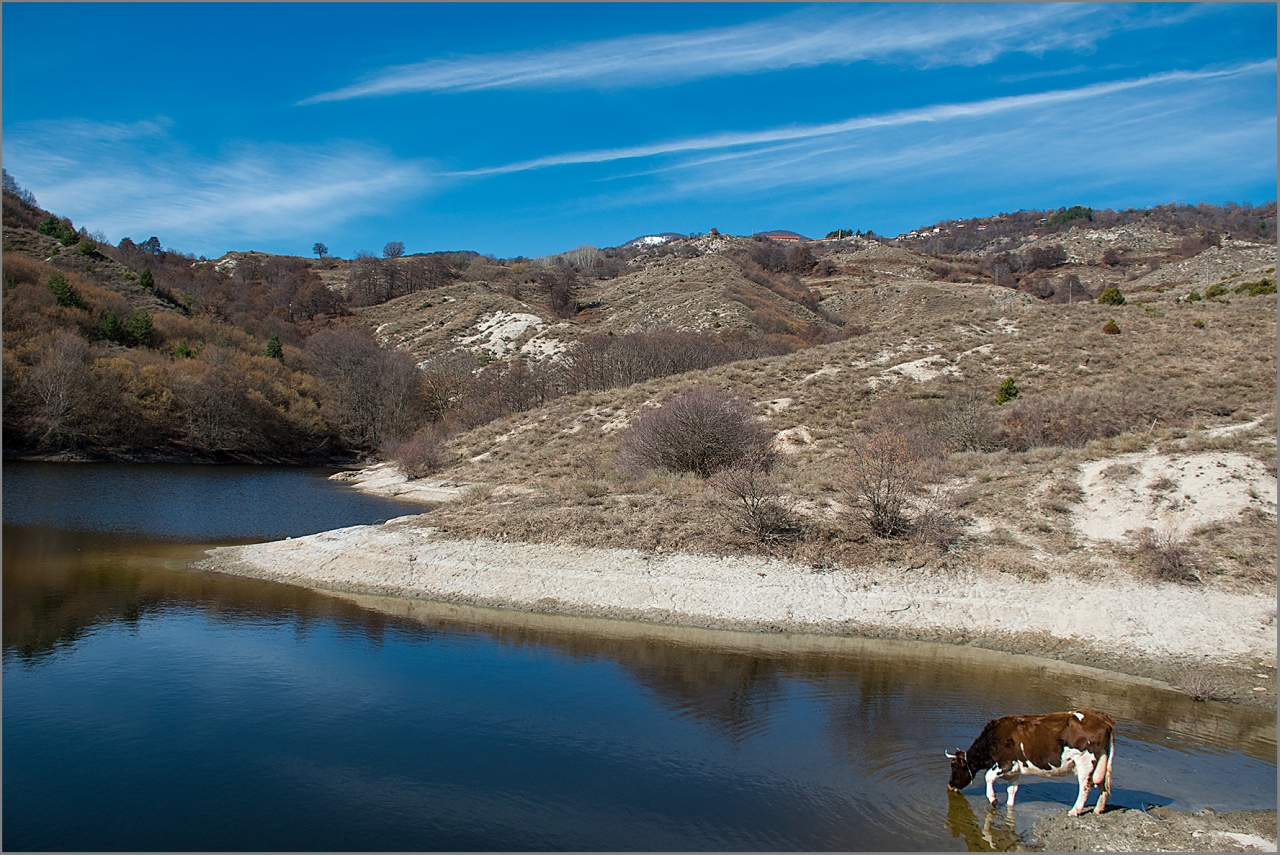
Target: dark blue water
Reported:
point(197, 504)
point(152, 707)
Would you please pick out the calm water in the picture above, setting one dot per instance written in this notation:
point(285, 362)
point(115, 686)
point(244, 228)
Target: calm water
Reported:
point(152, 707)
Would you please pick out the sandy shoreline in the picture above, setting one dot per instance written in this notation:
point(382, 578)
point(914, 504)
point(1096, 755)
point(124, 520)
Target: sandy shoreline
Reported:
point(1115, 623)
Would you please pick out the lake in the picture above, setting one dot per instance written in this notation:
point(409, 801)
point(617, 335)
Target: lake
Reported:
point(148, 706)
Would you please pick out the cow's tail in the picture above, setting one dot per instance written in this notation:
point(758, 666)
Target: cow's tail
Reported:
point(1102, 774)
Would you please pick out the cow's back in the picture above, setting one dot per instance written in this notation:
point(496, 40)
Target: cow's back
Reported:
point(1040, 739)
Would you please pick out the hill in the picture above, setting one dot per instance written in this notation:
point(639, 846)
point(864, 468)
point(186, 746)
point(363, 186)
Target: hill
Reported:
point(1063, 383)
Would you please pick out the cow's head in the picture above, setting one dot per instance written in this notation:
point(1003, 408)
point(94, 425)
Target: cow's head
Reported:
point(960, 774)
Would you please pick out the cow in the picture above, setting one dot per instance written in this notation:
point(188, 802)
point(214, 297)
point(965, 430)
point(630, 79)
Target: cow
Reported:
point(1080, 741)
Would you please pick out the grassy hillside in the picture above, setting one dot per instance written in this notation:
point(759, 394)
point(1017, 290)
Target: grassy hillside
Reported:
point(1044, 389)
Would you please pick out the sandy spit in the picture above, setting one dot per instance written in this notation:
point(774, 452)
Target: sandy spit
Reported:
point(1116, 623)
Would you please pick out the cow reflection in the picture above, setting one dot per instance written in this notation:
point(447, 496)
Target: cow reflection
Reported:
point(996, 833)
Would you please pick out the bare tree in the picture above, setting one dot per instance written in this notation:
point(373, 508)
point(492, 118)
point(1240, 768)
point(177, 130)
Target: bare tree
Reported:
point(755, 503)
point(393, 249)
point(320, 250)
point(62, 386)
point(444, 381)
point(376, 393)
point(887, 470)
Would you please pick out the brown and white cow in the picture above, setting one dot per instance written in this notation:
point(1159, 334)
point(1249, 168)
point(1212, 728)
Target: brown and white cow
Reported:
point(1080, 741)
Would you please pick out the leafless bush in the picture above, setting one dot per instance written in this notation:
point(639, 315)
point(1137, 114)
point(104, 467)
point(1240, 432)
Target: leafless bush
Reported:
point(888, 469)
point(702, 430)
point(966, 424)
point(936, 520)
point(419, 456)
point(1201, 687)
point(755, 505)
point(1168, 557)
point(1066, 422)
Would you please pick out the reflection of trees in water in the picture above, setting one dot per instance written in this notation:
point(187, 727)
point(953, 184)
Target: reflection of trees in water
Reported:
point(58, 586)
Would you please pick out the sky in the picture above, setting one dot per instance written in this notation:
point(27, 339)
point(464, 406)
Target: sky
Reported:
point(531, 129)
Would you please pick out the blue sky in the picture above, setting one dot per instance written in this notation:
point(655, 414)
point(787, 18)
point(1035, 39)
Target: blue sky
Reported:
point(529, 129)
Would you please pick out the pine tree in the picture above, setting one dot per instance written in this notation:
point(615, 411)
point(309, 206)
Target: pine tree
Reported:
point(112, 329)
point(138, 331)
point(146, 280)
point(274, 350)
point(1007, 392)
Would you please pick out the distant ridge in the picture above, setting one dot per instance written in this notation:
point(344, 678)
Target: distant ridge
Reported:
point(781, 234)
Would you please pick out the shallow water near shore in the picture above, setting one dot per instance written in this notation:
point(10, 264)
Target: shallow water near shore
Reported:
point(149, 706)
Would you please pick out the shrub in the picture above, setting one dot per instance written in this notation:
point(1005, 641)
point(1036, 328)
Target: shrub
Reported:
point(965, 422)
point(1075, 212)
point(1068, 422)
point(755, 506)
point(1194, 297)
point(1198, 324)
point(146, 280)
point(1202, 687)
point(87, 246)
point(1255, 289)
point(1111, 327)
point(1008, 391)
point(887, 469)
point(420, 456)
point(1167, 556)
point(1215, 290)
point(702, 430)
point(1111, 297)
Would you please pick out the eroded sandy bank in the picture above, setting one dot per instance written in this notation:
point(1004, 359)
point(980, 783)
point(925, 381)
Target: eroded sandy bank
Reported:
point(1161, 632)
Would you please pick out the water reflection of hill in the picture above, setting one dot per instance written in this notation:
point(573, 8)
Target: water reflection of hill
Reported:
point(57, 586)
point(730, 682)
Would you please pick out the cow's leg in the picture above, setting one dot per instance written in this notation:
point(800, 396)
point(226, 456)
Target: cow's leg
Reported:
point(1084, 773)
point(1013, 791)
point(1099, 777)
point(992, 774)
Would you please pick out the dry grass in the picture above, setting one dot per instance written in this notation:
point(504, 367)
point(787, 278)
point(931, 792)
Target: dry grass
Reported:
point(1202, 687)
point(1151, 388)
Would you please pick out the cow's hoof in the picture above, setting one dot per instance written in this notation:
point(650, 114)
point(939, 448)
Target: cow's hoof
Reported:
point(1074, 812)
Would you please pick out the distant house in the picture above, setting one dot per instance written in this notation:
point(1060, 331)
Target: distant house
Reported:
point(781, 234)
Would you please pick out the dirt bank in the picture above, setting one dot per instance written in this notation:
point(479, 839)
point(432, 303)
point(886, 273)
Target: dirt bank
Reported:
point(1110, 621)
point(1159, 830)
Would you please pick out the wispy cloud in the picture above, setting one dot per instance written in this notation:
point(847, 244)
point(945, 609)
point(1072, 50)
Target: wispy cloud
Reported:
point(929, 114)
point(136, 180)
point(918, 35)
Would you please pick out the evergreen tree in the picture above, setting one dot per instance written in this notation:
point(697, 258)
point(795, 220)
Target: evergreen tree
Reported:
point(146, 280)
point(112, 329)
point(274, 350)
point(1007, 392)
point(1111, 297)
point(138, 331)
point(63, 291)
